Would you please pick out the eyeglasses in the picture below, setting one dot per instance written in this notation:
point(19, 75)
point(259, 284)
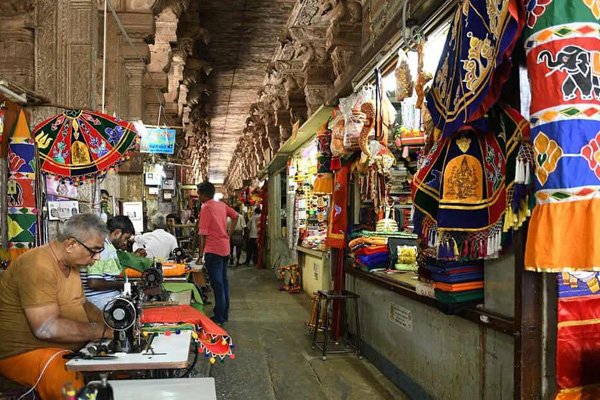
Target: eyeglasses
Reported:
point(92, 252)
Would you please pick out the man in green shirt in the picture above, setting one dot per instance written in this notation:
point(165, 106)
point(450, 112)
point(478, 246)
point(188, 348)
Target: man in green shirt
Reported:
point(99, 280)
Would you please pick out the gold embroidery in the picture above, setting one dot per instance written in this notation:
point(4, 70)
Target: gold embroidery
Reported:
point(80, 153)
point(43, 140)
point(463, 180)
point(497, 13)
point(463, 144)
point(479, 61)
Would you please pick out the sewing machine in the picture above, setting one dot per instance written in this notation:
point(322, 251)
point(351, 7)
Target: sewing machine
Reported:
point(122, 314)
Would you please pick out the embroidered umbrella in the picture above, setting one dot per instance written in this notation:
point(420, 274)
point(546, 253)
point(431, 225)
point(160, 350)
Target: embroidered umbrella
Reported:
point(80, 144)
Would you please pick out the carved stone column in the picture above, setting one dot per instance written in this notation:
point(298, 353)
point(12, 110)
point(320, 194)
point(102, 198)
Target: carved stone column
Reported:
point(66, 53)
point(139, 27)
point(343, 36)
point(17, 42)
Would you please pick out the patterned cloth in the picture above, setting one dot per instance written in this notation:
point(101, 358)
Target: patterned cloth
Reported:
point(475, 62)
point(22, 218)
point(338, 213)
point(563, 57)
point(83, 144)
point(324, 181)
point(460, 192)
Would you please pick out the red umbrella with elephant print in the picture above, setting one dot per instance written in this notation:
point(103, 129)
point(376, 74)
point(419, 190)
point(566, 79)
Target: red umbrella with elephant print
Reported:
point(80, 144)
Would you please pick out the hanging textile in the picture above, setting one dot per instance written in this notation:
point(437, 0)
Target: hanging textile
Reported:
point(79, 144)
point(578, 336)
point(22, 213)
point(563, 58)
point(338, 212)
point(468, 186)
point(475, 62)
point(324, 181)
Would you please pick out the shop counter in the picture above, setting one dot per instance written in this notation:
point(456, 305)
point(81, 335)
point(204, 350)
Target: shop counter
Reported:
point(315, 267)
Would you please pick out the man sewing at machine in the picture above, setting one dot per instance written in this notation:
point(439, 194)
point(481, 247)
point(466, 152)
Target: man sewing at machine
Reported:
point(43, 312)
point(100, 280)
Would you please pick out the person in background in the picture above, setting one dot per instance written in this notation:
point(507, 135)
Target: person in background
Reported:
point(157, 244)
point(105, 205)
point(253, 237)
point(172, 220)
point(43, 312)
point(99, 280)
point(237, 237)
point(215, 246)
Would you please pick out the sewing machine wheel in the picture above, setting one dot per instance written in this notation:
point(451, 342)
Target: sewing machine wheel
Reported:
point(119, 314)
point(152, 277)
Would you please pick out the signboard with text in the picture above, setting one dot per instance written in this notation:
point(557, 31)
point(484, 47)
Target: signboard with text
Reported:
point(158, 141)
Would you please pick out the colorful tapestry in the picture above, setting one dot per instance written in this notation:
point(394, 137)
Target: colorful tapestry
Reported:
point(338, 211)
point(472, 187)
point(83, 144)
point(563, 58)
point(475, 62)
point(22, 218)
point(578, 335)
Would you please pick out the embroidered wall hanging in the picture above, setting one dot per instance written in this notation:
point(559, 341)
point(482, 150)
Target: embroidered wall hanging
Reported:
point(474, 63)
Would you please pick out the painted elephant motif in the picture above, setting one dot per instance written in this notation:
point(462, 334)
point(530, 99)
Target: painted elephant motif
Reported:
point(582, 68)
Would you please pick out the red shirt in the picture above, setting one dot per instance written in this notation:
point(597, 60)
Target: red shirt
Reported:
point(213, 225)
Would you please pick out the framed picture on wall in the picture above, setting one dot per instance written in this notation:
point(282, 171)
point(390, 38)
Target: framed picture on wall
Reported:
point(167, 195)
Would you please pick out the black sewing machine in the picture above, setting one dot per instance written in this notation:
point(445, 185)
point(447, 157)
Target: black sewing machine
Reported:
point(122, 314)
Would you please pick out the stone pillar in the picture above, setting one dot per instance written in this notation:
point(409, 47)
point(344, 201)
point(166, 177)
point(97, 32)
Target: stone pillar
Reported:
point(66, 53)
point(17, 43)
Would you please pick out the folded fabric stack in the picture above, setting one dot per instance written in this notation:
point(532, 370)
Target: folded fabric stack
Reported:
point(370, 253)
point(456, 282)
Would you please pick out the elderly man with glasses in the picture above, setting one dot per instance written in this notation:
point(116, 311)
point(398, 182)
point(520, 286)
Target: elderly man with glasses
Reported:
point(43, 311)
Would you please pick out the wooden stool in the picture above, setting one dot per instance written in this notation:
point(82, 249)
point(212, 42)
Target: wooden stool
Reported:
point(330, 296)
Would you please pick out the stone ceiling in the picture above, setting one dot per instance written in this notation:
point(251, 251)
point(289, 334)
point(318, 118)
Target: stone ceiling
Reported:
point(238, 42)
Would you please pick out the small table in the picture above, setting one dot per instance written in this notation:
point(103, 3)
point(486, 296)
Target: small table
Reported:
point(172, 353)
point(165, 389)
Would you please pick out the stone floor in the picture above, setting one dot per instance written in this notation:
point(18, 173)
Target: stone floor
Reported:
point(274, 359)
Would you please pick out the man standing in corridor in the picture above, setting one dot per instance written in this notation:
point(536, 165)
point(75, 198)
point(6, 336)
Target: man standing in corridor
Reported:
point(215, 246)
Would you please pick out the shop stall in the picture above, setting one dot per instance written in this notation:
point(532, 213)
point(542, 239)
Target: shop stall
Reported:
point(434, 207)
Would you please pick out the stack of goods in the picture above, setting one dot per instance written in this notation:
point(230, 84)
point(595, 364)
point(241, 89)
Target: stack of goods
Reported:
point(456, 282)
point(399, 179)
point(370, 252)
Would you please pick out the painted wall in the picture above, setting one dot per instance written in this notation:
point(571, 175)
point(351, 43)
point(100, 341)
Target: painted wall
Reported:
point(427, 351)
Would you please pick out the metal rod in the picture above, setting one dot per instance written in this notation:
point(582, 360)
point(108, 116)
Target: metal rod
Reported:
point(19, 98)
point(104, 59)
point(4, 200)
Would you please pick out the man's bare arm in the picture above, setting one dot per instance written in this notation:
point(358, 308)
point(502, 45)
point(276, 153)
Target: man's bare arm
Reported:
point(94, 314)
point(47, 324)
point(232, 226)
point(202, 244)
point(103, 284)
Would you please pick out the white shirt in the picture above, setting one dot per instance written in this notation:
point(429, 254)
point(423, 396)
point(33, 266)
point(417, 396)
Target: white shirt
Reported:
point(158, 244)
point(253, 234)
point(240, 225)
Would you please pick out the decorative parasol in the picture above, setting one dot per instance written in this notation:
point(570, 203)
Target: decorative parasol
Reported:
point(80, 144)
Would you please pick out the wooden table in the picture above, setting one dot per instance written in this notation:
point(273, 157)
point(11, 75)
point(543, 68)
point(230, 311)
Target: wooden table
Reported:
point(165, 389)
point(172, 353)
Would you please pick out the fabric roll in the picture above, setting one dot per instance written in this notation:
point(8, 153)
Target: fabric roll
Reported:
point(563, 58)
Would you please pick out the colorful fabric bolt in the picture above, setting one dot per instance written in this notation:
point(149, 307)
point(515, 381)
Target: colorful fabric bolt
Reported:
point(475, 62)
point(563, 58)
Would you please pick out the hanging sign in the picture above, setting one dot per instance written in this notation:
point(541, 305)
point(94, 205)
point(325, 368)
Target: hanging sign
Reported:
point(157, 140)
